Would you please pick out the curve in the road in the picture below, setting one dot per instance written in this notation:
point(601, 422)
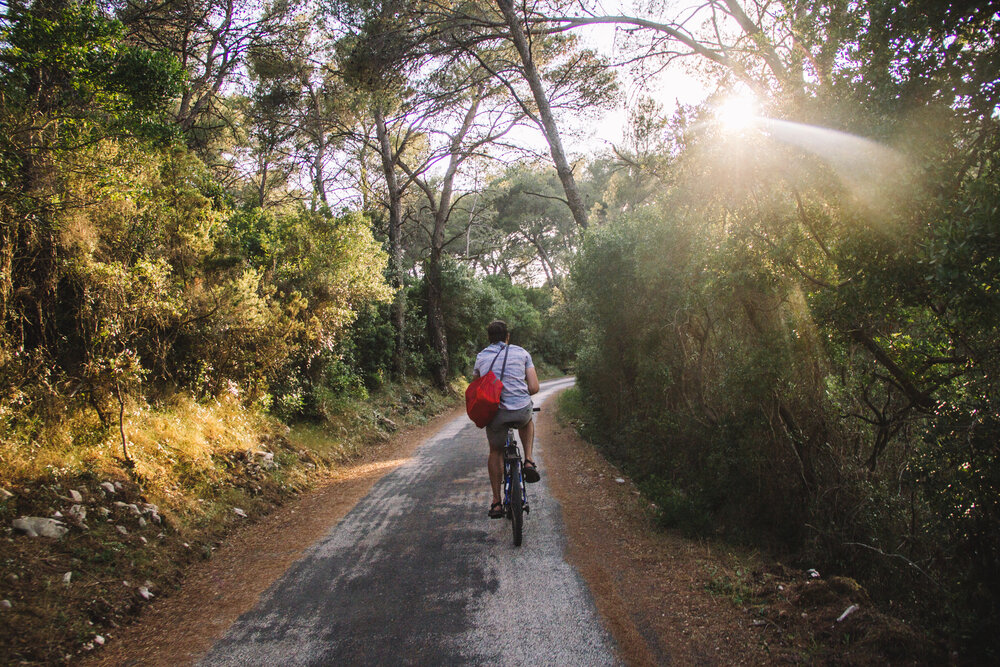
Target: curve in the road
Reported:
point(417, 574)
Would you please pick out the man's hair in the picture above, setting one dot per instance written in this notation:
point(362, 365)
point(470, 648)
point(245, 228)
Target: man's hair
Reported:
point(497, 331)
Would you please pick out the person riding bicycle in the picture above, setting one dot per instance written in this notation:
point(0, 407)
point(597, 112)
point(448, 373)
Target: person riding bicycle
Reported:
point(520, 382)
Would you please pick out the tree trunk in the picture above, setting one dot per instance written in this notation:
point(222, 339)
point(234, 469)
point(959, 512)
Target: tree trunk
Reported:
point(435, 319)
point(550, 270)
point(563, 168)
point(318, 175)
point(262, 187)
point(395, 249)
point(441, 207)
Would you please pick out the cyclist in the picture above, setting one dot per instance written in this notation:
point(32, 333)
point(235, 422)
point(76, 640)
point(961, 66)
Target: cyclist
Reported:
point(520, 382)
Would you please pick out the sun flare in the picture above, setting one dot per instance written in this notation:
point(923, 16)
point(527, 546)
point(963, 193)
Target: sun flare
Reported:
point(737, 113)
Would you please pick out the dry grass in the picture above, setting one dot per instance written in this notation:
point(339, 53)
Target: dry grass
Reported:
point(196, 461)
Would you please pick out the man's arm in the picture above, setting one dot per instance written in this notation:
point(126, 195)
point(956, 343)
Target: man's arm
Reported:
point(531, 378)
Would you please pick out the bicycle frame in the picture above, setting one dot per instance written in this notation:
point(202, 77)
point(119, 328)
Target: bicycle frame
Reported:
point(512, 452)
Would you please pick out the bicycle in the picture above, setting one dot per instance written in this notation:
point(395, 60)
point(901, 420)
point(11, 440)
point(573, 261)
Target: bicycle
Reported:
point(515, 496)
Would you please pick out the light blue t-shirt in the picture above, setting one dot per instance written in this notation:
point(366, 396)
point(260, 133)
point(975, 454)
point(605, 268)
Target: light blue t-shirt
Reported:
point(515, 385)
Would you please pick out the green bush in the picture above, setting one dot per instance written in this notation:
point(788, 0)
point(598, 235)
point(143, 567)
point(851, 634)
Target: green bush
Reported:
point(471, 303)
point(676, 508)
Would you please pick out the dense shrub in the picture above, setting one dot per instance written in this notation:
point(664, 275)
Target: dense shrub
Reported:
point(731, 368)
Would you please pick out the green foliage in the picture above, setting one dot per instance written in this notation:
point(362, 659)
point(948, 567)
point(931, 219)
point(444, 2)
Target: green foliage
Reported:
point(140, 273)
point(471, 303)
point(789, 357)
point(675, 508)
point(70, 61)
point(959, 466)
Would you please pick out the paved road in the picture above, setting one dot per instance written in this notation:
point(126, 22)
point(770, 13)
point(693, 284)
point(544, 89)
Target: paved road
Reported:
point(417, 574)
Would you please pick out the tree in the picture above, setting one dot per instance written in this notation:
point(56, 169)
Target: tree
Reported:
point(558, 74)
point(530, 213)
point(812, 331)
point(447, 77)
point(78, 107)
point(485, 116)
point(212, 40)
point(545, 116)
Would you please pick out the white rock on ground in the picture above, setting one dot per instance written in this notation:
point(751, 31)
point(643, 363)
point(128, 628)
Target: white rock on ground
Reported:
point(267, 460)
point(240, 513)
point(36, 526)
point(121, 529)
point(5, 494)
point(99, 640)
point(144, 593)
point(108, 486)
point(77, 512)
point(847, 612)
point(5, 604)
point(76, 496)
point(67, 578)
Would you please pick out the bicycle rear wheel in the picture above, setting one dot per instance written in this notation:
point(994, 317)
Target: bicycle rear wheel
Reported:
point(516, 502)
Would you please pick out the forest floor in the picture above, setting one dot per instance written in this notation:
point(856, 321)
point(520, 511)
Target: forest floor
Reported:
point(665, 598)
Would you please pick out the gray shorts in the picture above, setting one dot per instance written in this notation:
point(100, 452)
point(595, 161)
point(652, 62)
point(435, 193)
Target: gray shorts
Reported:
point(496, 430)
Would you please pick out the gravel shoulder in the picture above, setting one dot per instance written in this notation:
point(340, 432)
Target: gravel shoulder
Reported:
point(649, 586)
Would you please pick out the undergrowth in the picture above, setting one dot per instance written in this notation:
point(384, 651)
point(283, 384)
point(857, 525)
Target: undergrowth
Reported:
point(804, 618)
point(196, 471)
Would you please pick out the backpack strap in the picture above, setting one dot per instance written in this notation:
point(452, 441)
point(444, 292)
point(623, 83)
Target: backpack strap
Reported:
point(494, 361)
point(503, 369)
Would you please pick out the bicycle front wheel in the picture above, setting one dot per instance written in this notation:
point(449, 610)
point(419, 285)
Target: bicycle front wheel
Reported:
point(516, 502)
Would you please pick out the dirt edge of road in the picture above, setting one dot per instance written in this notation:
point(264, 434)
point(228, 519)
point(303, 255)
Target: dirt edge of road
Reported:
point(649, 586)
point(180, 629)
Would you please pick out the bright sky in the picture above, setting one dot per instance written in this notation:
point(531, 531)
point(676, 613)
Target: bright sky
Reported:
point(674, 85)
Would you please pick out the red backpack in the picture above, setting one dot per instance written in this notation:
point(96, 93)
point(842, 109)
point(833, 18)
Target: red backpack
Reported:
point(482, 398)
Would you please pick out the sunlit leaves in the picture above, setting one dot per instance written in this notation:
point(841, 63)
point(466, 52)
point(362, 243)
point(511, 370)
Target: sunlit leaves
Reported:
point(71, 63)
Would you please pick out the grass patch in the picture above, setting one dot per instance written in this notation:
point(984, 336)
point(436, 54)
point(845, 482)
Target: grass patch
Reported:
point(547, 371)
point(569, 408)
point(136, 527)
point(737, 583)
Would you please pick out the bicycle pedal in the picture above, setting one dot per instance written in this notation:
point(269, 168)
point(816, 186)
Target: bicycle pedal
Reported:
point(527, 508)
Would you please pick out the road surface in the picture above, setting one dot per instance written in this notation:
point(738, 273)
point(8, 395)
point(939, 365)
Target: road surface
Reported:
point(417, 574)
